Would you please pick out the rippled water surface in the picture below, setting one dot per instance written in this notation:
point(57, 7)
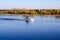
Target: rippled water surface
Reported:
point(41, 28)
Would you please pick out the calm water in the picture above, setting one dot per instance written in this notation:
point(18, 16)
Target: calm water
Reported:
point(42, 28)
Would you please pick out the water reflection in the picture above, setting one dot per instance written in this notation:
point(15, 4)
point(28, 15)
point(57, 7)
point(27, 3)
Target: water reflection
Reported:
point(25, 18)
point(57, 17)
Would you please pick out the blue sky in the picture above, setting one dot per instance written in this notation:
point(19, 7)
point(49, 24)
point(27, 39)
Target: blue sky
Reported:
point(29, 4)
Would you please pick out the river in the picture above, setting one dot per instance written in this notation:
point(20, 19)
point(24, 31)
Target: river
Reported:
point(41, 28)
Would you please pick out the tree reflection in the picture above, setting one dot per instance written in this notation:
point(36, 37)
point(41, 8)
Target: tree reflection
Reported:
point(57, 17)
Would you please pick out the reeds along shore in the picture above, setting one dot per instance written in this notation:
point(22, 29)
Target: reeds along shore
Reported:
point(32, 11)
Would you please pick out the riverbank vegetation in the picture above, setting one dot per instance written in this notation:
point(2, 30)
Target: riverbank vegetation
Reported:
point(32, 11)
